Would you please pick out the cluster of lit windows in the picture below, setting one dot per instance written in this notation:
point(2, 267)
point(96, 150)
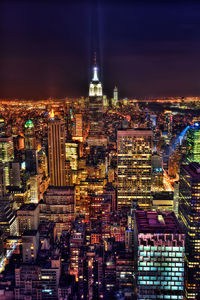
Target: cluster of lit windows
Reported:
point(134, 168)
point(160, 268)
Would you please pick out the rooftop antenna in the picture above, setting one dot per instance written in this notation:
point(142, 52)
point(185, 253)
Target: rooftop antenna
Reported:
point(95, 58)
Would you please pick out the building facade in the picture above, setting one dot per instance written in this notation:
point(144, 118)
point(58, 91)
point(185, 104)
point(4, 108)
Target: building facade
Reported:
point(134, 150)
point(189, 209)
point(56, 152)
point(160, 255)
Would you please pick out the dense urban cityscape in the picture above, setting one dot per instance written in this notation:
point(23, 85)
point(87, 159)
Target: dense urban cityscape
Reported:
point(100, 197)
point(99, 193)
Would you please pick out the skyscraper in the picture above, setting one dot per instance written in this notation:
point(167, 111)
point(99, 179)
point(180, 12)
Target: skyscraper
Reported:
point(115, 96)
point(96, 137)
point(56, 152)
point(6, 154)
point(95, 88)
point(134, 150)
point(168, 125)
point(78, 128)
point(160, 255)
point(193, 143)
point(189, 214)
point(30, 141)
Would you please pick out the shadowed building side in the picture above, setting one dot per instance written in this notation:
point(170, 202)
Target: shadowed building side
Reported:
point(56, 148)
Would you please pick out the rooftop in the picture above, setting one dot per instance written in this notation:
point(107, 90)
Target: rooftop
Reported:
point(28, 206)
point(30, 233)
point(157, 222)
point(135, 132)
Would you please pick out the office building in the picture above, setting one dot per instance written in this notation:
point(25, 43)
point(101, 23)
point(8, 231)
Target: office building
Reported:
point(189, 208)
point(157, 172)
point(193, 143)
point(6, 154)
point(42, 163)
point(14, 173)
point(115, 96)
point(160, 255)
point(31, 159)
point(56, 152)
point(134, 149)
point(168, 125)
point(71, 149)
point(2, 181)
point(78, 128)
point(30, 245)
point(2, 126)
point(58, 206)
point(27, 282)
point(163, 200)
point(30, 140)
point(28, 217)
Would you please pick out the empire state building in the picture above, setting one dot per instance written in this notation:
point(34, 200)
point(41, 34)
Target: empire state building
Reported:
point(95, 89)
point(96, 110)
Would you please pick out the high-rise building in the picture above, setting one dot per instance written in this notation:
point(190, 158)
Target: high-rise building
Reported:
point(189, 214)
point(56, 152)
point(30, 140)
point(28, 217)
point(78, 128)
point(71, 149)
point(42, 163)
point(77, 239)
point(95, 88)
point(14, 173)
point(2, 181)
point(157, 172)
point(96, 138)
point(31, 274)
point(168, 125)
point(160, 255)
point(6, 154)
point(193, 143)
point(58, 207)
point(2, 126)
point(115, 96)
point(134, 150)
point(35, 188)
point(31, 159)
point(30, 245)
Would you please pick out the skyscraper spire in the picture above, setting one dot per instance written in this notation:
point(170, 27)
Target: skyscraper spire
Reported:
point(95, 69)
point(95, 58)
point(95, 88)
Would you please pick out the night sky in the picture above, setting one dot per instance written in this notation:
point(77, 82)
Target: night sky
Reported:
point(144, 47)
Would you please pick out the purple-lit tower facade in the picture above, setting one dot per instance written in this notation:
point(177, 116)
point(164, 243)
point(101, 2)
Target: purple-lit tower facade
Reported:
point(160, 255)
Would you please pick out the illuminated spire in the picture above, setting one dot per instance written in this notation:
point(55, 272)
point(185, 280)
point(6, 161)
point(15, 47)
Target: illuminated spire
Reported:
point(95, 74)
point(95, 88)
point(95, 69)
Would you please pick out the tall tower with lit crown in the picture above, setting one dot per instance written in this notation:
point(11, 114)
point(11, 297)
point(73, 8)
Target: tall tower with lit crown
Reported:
point(95, 88)
point(30, 142)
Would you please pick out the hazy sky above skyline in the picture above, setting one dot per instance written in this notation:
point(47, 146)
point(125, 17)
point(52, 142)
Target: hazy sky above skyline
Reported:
point(146, 48)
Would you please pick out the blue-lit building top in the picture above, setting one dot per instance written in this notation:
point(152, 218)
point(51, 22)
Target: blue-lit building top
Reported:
point(193, 143)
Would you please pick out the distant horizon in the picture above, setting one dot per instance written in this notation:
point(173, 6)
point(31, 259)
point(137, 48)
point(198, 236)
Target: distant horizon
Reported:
point(124, 98)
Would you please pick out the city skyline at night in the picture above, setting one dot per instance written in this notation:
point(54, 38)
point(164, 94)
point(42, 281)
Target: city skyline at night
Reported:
point(99, 150)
